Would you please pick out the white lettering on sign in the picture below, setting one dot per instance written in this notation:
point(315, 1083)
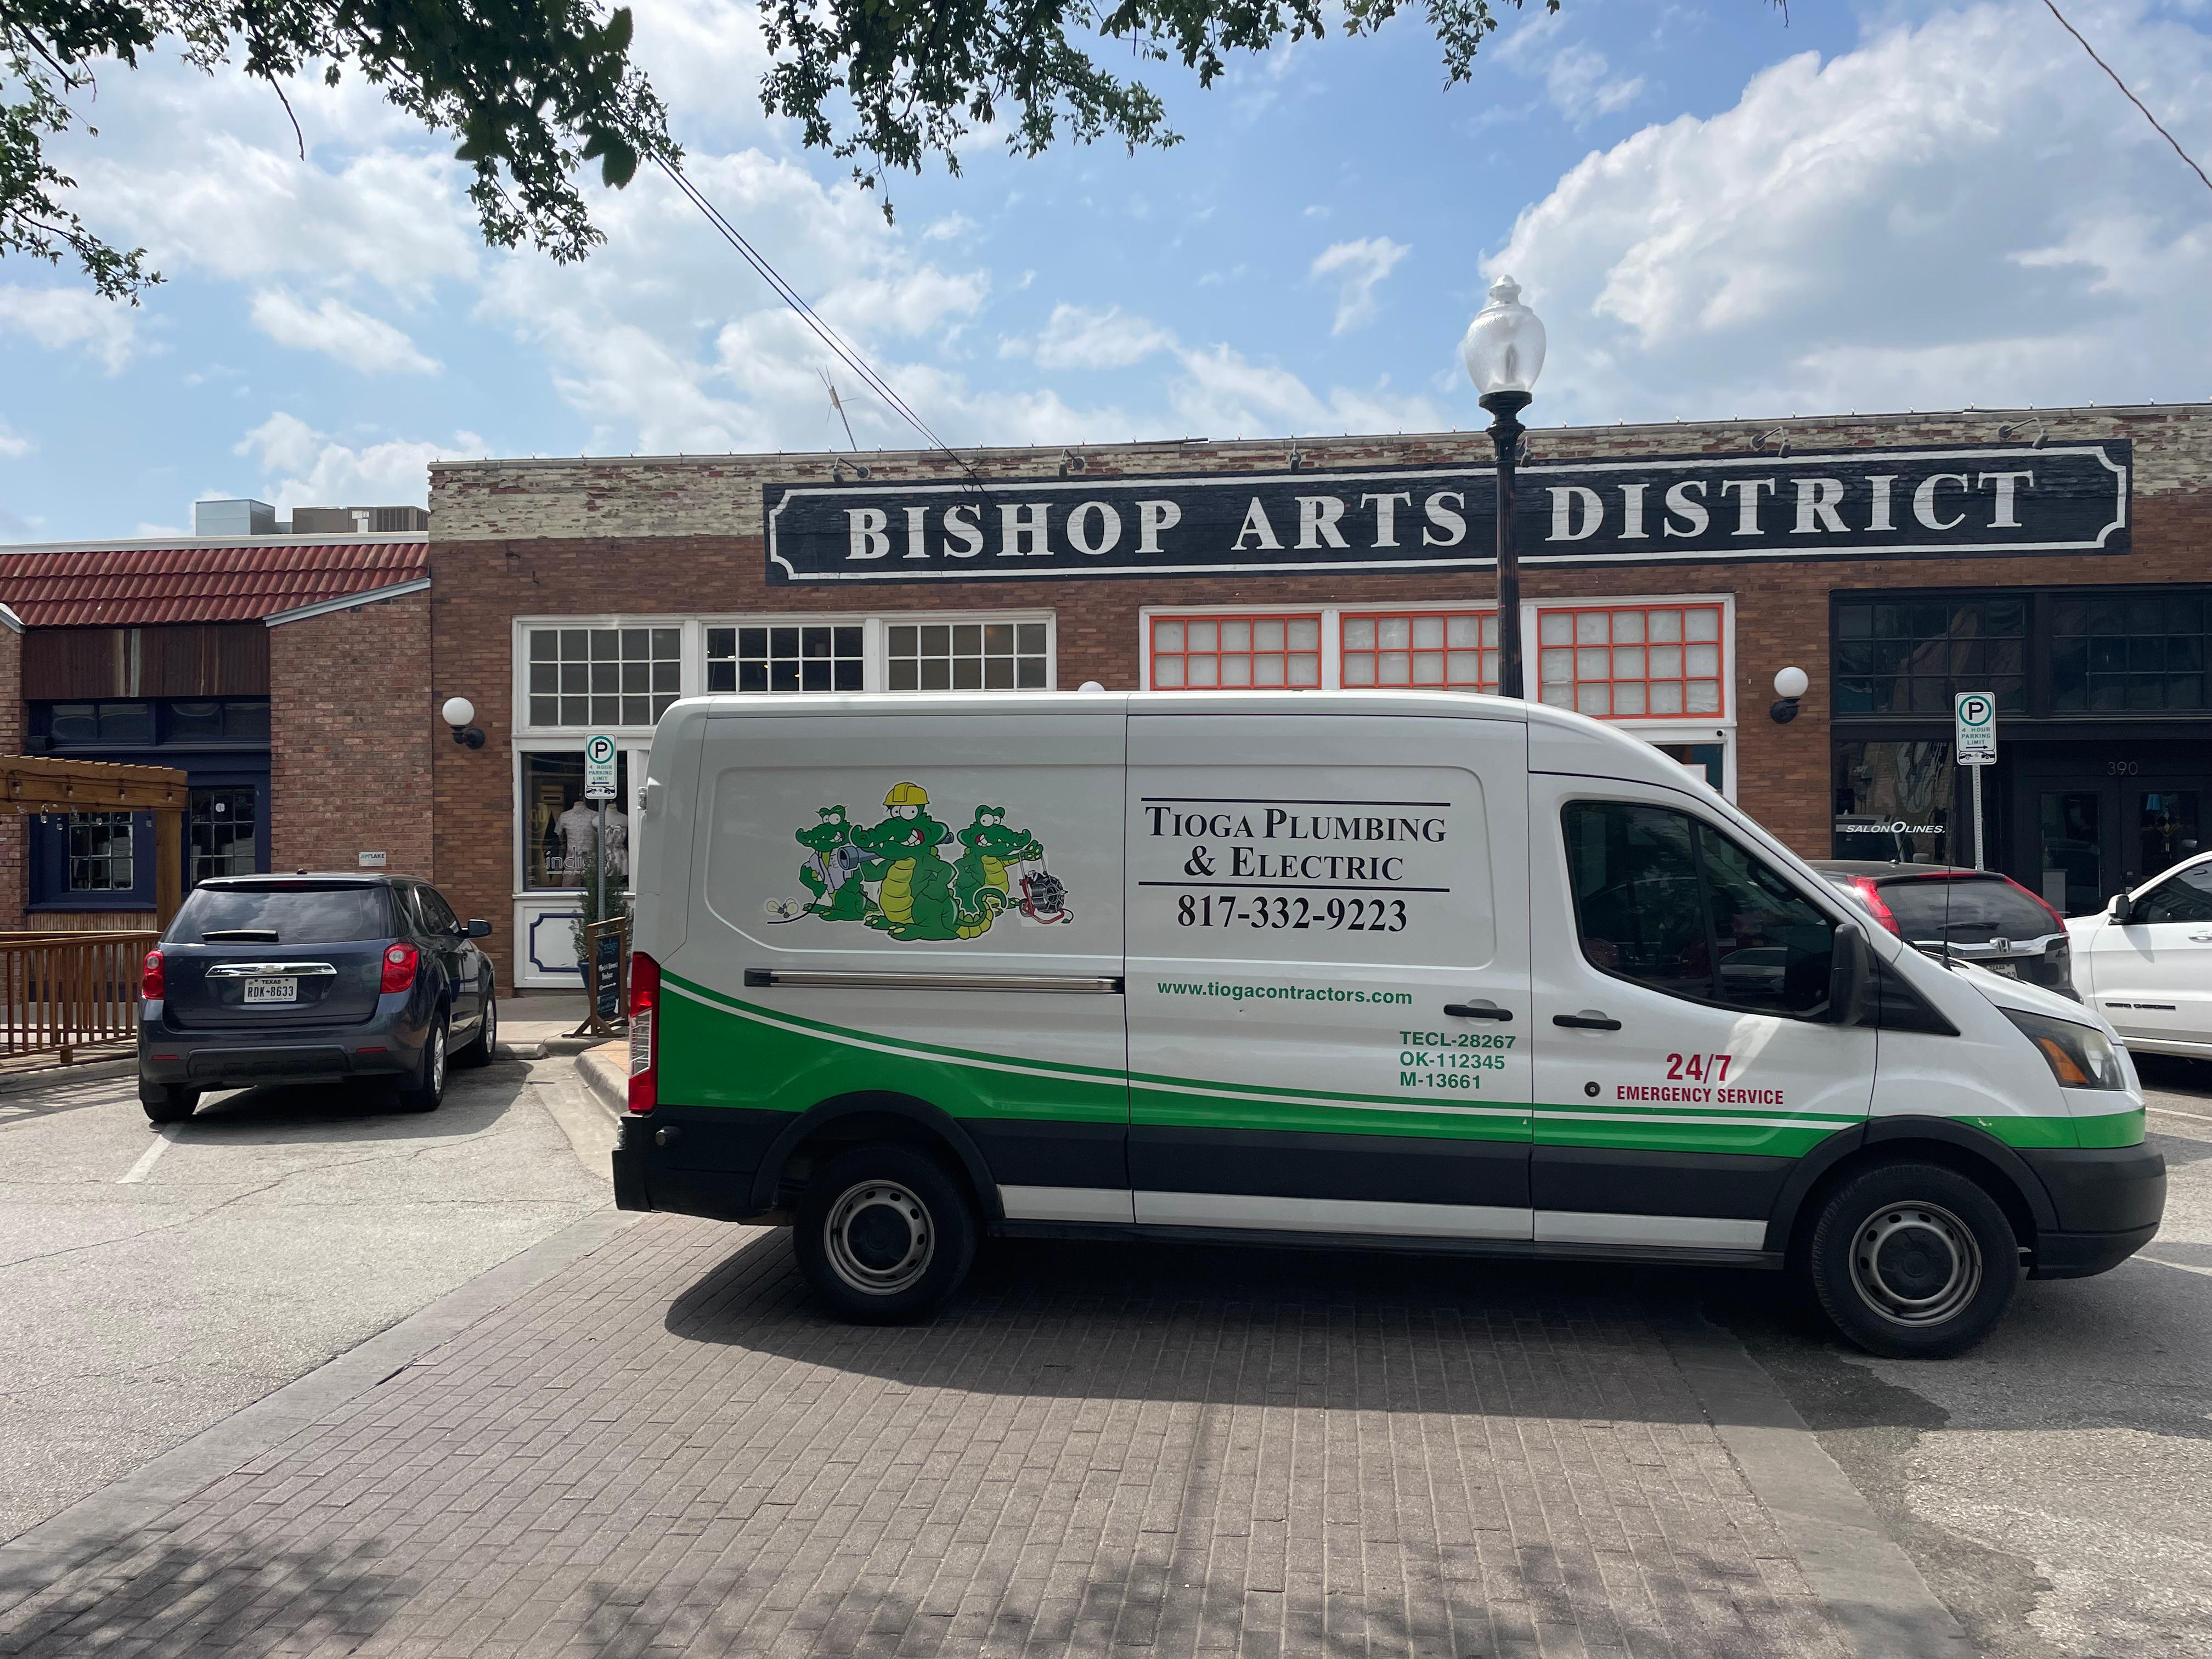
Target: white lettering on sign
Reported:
point(1024, 531)
point(1256, 524)
point(1566, 500)
point(1817, 501)
point(1317, 517)
point(1109, 529)
point(1153, 517)
point(1443, 518)
point(1923, 501)
point(960, 521)
point(1747, 504)
point(1385, 515)
point(2005, 482)
point(869, 540)
point(1695, 519)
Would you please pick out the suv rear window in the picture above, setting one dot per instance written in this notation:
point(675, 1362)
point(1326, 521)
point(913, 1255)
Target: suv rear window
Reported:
point(1976, 909)
point(296, 914)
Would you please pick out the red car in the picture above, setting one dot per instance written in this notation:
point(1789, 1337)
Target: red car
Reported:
point(1971, 915)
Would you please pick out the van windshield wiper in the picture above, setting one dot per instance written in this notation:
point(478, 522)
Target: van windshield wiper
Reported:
point(239, 935)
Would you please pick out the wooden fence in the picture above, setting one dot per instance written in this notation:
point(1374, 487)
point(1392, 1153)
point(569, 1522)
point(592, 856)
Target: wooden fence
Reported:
point(63, 991)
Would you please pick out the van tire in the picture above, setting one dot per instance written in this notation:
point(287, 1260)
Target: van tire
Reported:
point(1913, 1261)
point(884, 1235)
point(167, 1103)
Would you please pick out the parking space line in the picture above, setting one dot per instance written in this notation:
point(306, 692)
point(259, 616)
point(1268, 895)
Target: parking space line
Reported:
point(151, 1156)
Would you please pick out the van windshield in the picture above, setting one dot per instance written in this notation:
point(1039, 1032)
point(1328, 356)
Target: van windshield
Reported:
point(298, 913)
point(1971, 908)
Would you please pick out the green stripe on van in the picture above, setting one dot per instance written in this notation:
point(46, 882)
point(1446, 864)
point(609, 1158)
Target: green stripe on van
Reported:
point(717, 1050)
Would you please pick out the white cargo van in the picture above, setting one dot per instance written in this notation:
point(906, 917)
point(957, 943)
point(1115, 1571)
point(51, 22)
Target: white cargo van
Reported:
point(1421, 970)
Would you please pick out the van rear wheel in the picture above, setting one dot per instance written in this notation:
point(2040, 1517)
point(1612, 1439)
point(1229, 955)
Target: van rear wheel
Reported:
point(1913, 1261)
point(884, 1236)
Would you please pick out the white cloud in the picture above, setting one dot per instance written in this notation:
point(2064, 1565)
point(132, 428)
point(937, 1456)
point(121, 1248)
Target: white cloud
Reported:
point(1359, 267)
point(1077, 337)
point(1577, 78)
point(13, 445)
point(60, 319)
point(1221, 394)
point(1957, 212)
point(952, 227)
point(353, 338)
point(303, 467)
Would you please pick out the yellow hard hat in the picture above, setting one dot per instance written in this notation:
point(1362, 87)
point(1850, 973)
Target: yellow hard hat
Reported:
point(907, 794)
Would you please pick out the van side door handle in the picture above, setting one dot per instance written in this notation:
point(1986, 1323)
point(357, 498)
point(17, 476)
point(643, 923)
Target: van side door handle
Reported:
point(1480, 1008)
point(1590, 1020)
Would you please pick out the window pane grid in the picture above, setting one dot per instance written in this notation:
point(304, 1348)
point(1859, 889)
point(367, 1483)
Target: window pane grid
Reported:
point(2109, 654)
point(222, 827)
point(1631, 662)
point(1429, 650)
point(768, 658)
point(1229, 652)
point(965, 656)
point(604, 677)
point(99, 859)
point(1910, 656)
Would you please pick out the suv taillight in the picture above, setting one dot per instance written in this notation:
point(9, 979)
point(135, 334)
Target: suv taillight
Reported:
point(400, 963)
point(644, 1032)
point(152, 984)
point(1870, 890)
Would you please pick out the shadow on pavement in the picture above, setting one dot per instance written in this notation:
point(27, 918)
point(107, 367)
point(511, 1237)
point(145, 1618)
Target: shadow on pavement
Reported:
point(363, 1110)
point(1253, 1324)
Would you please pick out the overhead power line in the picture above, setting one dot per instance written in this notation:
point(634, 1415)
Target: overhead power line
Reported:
point(845, 352)
point(2131, 98)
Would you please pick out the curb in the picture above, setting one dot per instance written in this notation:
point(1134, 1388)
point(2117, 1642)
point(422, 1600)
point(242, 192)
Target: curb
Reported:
point(1859, 1572)
point(134, 1502)
point(92, 1071)
point(605, 1072)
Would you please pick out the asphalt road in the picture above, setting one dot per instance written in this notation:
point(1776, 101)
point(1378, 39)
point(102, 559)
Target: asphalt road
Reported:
point(152, 1284)
point(2055, 1486)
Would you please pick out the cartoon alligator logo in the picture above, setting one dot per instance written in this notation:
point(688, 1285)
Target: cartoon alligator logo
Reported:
point(893, 876)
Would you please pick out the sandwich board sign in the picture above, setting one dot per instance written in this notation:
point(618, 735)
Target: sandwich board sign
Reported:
point(1975, 715)
point(599, 766)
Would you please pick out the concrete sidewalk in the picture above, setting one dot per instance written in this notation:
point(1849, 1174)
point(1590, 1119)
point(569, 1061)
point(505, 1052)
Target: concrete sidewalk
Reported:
point(659, 1446)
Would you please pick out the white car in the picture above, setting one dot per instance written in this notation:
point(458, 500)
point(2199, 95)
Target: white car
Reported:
point(2145, 962)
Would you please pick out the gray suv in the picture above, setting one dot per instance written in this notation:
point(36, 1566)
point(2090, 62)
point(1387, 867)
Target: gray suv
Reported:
point(308, 979)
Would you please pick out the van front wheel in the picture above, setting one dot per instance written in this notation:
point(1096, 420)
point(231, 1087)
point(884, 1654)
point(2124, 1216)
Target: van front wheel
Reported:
point(884, 1235)
point(1913, 1262)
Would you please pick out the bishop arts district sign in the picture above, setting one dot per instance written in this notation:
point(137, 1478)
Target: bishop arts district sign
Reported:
point(2067, 498)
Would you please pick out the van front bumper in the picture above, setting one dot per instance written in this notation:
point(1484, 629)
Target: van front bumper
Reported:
point(2110, 1200)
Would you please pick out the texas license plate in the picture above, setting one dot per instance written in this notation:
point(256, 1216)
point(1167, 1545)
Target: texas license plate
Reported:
point(272, 990)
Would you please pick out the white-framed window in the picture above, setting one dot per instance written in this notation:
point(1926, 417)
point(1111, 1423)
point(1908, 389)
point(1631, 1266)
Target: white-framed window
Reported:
point(927, 655)
point(794, 656)
point(1661, 664)
point(599, 676)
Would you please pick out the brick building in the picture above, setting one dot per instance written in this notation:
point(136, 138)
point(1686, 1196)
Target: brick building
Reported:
point(281, 671)
point(2061, 559)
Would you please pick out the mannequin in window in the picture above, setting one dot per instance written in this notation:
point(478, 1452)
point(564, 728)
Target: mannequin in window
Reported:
point(575, 829)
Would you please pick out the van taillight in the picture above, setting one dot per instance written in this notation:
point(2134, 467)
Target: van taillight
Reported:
point(644, 1032)
point(152, 985)
point(400, 961)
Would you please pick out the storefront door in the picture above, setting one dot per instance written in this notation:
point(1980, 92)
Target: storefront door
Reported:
point(2088, 827)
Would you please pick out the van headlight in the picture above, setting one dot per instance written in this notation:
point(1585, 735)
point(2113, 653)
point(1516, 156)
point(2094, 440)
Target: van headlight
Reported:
point(2079, 1056)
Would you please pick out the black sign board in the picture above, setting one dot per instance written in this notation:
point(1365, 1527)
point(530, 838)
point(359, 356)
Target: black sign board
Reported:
point(1858, 503)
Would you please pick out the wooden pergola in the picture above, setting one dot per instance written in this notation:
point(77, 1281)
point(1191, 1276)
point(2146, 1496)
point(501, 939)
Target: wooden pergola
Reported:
point(39, 783)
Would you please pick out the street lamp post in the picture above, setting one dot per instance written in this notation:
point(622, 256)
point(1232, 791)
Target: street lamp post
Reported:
point(1505, 353)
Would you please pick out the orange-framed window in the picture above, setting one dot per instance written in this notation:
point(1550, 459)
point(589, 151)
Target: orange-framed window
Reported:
point(1227, 651)
point(1624, 661)
point(1443, 650)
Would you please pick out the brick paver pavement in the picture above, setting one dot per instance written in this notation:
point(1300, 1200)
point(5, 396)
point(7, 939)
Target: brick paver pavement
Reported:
point(1100, 1450)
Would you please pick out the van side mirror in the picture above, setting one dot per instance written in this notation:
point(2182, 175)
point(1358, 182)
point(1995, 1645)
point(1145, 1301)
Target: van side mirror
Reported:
point(479, 930)
point(2123, 908)
point(1850, 975)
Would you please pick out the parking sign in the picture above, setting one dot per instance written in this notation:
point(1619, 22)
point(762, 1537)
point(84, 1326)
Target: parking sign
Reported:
point(1975, 715)
point(599, 766)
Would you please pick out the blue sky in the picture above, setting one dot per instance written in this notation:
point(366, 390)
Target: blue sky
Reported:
point(1718, 213)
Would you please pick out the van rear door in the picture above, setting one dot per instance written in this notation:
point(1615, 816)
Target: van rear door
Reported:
point(1329, 986)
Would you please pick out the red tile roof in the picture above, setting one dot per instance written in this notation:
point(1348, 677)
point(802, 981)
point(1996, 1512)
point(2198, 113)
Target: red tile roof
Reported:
point(197, 582)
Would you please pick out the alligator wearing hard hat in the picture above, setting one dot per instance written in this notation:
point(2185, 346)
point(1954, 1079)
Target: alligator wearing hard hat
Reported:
point(992, 844)
point(915, 899)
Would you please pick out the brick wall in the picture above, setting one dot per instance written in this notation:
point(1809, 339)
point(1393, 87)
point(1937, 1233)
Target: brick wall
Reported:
point(681, 537)
point(350, 724)
point(14, 892)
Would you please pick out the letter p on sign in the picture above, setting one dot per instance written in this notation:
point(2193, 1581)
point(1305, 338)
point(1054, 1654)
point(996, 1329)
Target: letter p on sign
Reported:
point(1974, 715)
